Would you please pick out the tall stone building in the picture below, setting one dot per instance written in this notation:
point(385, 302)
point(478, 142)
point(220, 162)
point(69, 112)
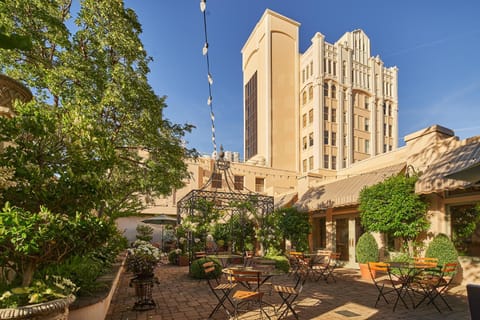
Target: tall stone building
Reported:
point(318, 111)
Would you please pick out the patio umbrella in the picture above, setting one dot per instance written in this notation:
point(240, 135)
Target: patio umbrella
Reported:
point(162, 220)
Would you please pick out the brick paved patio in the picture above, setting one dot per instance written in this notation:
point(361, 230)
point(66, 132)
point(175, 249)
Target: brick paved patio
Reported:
point(180, 297)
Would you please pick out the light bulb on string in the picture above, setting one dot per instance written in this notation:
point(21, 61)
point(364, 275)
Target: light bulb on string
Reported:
point(203, 5)
point(210, 79)
point(209, 101)
point(205, 48)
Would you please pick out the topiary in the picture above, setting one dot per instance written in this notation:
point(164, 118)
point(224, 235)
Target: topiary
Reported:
point(366, 249)
point(196, 269)
point(443, 249)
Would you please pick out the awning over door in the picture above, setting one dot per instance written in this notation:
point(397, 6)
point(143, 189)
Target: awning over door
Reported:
point(346, 191)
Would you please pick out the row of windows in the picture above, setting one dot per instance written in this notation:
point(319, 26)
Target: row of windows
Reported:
point(307, 72)
point(333, 114)
point(238, 182)
point(332, 93)
point(362, 145)
point(330, 66)
point(310, 118)
point(385, 128)
point(387, 109)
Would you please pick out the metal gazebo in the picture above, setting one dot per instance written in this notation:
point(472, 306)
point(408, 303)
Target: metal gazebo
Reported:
point(222, 200)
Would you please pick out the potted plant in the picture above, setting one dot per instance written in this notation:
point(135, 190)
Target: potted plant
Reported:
point(366, 251)
point(142, 259)
point(32, 241)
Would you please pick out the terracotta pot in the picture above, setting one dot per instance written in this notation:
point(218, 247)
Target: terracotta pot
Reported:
point(183, 261)
point(51, 310)
point(364, 272)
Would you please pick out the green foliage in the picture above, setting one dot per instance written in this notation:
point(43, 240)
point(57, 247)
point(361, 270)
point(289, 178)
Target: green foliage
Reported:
point(442, 248)
point(144, 232)
point(293, 225)
point(174, 255)
point(392, 207)
point(50, 288)
point(30, 241)
point(366, 249)
point(465, 220)
point(94, 138)
point(196, 269)
point(281, 262)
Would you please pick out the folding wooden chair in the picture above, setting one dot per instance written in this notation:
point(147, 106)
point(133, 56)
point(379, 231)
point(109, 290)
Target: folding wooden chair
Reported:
point(289, 294)
point(435, 286)
point(331, 266)
point(219, 289)
point(240, 297)
point(385, 282)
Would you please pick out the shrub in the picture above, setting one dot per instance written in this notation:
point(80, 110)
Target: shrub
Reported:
point(443, 249)
point(281, 263)
point(144, 232)
point(196, 269)
point(367, 248)
point(173, 256)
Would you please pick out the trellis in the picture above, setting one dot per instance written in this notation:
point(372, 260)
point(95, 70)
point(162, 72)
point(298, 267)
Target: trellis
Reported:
point(224, 201)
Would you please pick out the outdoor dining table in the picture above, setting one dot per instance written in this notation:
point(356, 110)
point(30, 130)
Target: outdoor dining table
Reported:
point(263, 274)
point(406, 272)
point(225, 258)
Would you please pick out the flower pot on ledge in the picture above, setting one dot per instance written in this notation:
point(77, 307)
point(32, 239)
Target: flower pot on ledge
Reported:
point(50, 310)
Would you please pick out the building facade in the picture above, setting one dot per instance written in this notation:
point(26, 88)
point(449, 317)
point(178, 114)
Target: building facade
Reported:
point(318, 111)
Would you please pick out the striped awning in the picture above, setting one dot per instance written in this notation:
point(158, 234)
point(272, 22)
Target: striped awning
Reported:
point(346, 191)
point(457, 168)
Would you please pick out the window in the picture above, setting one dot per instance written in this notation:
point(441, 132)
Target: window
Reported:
point(310, 139)
point(325, 113)
point(367, 146)
point(310, 116)
point(308, 71)
point(334, 92)
point(334, 138)
point(334, 162)
point(325, 137)
point(311, 67)
point(390, 111)
point(303, 75)
point(310, 93)
point(325, 161)
point(389, 130)
point(344, 162)
point(334, 68)
point(216, 180)
point(304, 97)
point(367, 124)
point(259, 184)
point(334, 115)
point(385, 109)
point(384, 148)
point(310, 163)
point(304, 140)
point(465, 232)
point(324, 65)
point(238, 182)
point(304, 120)
point(325, 89)
point(304, 162)
point(384, 129)
point(366, 105)
point(251, 117)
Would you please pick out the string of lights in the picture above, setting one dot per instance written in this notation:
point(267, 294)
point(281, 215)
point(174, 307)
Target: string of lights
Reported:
point(203, 8)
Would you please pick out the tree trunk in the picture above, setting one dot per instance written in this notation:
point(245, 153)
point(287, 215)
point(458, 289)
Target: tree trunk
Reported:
point(28, 274)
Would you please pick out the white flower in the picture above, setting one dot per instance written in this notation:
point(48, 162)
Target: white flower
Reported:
point(197, 240)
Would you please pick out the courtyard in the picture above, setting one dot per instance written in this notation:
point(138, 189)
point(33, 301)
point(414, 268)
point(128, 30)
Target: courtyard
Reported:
point(177, 296)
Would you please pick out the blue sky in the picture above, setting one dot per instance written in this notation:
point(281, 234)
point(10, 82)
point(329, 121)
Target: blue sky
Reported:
point(435, 45)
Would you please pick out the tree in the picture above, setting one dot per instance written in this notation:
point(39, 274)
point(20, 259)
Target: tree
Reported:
point(392, 207)
point(293, 225)
point(94, 137)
